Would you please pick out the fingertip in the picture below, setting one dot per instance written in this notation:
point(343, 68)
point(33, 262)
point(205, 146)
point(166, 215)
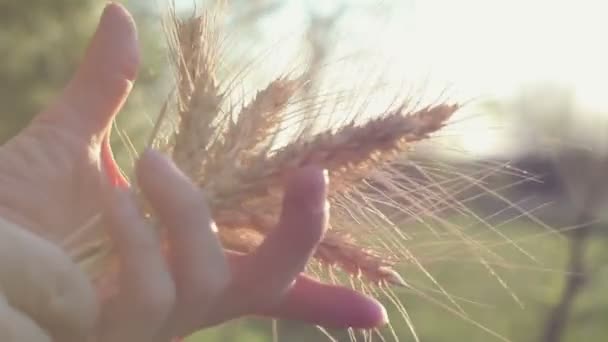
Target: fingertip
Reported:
point(154, 171)
point(169, 191)
point(308, 186)
point(117, 27)
point(112, 58)
point(305, 203)
point(330, 306)
point(103, 79)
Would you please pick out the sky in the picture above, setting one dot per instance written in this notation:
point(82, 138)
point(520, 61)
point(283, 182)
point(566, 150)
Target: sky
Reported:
point(480, 49)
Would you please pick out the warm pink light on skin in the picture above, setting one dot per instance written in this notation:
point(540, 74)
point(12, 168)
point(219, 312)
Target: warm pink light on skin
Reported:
point(330, 306)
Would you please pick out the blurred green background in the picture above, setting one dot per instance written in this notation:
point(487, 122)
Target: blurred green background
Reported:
point(540, 106)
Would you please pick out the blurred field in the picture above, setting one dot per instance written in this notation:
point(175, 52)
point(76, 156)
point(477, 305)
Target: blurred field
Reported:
point(538, 285)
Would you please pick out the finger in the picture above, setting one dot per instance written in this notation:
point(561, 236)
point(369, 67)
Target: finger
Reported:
point(104, 78)
point(147, 293)
point(199, 265)
point(314, 302)
point(43, 283)
point(329, 306)
point(17, 327)
point(273, 267)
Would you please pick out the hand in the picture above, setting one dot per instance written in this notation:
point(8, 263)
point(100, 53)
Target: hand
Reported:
point(54, 177)
point(201, 285)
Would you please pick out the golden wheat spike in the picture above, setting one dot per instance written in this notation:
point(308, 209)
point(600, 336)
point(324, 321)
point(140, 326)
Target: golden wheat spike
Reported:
point(349, 154)
point(342, 251)
point(260, 119)
point(193, 44)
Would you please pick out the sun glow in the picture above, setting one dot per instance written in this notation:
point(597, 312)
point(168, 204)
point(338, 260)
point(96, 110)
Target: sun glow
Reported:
point(477, 49)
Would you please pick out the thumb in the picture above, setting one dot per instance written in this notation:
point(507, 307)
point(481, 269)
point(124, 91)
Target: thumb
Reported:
point(104, 78)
